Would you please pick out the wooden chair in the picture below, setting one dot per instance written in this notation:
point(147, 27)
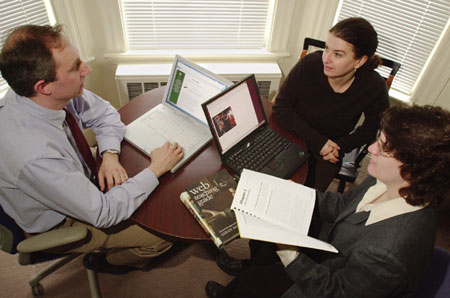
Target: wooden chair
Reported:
point(351, 162)
point(32, 250)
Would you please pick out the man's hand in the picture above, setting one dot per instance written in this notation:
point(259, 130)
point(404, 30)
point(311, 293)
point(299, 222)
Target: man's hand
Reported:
point(165, 158)
point(330, 151)
point(112, 171)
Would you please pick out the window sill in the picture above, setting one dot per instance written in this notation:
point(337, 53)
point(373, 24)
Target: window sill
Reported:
point(203, 55)
point(89, 60)
point(399, 96)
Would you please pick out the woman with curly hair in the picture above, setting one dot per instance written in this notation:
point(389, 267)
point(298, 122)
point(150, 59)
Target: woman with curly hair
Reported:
point(384, 228)
point(419, 138)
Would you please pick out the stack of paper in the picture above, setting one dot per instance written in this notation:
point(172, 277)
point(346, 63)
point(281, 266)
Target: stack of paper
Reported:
point(271, 209)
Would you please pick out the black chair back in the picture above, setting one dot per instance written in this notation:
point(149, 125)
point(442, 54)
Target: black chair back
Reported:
point(437, 280)
point(11, 233)
point(392, 65)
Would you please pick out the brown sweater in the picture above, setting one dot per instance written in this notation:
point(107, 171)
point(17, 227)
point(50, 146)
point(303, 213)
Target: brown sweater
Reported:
point(307, 106)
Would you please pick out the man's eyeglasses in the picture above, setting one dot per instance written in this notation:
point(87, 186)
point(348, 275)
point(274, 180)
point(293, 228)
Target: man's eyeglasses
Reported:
point(380, 145)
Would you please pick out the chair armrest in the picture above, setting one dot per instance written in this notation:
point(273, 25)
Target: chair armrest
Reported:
point(362, 154)
point(52, 239)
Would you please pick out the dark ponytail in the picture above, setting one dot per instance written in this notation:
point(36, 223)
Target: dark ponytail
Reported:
point(373, 62)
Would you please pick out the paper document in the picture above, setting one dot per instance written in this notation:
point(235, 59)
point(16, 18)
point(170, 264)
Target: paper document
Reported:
point(273, 209)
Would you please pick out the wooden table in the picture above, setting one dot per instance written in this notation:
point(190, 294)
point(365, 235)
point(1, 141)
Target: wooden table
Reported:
point(163, 213)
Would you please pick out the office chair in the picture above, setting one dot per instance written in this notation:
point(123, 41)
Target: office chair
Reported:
point(351, 162)
point(311, 42)
point(31, 250)
point(437, 281)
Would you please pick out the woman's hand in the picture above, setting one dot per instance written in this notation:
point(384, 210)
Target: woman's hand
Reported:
point(330, 151)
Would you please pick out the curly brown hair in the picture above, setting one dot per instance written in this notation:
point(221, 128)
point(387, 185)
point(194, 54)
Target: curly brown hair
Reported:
point(419, 137)
point(27, 57)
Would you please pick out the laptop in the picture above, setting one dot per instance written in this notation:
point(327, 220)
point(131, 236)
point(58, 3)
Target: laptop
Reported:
point(242, 134)
point(179, 118)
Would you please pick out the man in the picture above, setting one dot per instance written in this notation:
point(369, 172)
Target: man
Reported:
point(46, 180)
point(384, 228)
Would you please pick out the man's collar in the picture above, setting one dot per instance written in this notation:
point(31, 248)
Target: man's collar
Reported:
point(55, 117)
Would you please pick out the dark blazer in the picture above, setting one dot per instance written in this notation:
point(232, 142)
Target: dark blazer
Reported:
point(384, 259)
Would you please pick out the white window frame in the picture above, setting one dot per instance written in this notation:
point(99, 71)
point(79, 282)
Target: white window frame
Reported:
point(175, 24)
point(276, 48)
point(434, 75)
point(51, 18)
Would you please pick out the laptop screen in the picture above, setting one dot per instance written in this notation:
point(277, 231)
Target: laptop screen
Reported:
point(190, 85)
point(235, 113)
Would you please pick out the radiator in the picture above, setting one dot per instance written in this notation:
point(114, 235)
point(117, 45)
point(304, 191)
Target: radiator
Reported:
point(135, 79)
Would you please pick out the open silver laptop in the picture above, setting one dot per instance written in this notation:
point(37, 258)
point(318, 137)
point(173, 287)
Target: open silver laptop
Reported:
point(179, 118)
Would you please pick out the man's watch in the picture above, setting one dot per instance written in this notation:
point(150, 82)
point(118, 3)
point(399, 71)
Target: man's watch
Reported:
point(113, 151)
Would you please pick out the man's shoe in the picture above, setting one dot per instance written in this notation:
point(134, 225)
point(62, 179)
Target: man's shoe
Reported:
point(98, 263)
point(230, 265)
point(213, 289)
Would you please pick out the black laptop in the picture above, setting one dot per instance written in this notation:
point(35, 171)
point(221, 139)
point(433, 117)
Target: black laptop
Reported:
point(243, 137)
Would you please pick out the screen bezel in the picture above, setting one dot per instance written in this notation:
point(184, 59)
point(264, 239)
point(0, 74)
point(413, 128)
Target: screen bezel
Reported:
point(257, 104)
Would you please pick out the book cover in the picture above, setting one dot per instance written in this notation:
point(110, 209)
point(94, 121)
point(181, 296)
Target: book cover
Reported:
point(209, 201)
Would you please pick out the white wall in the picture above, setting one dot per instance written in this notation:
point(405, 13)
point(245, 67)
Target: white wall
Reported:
point(84, 24)
point(444, 97)
point(311, 19)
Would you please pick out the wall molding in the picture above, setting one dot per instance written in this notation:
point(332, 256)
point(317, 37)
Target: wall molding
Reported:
point(66, 12)
point(282, 23)
point(435, 76)
point(114, 31)
point(325, 17)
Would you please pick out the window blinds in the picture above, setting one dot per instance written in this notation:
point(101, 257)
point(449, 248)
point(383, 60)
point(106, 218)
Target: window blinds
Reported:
point(199, 24)
point(14, 13)
point(407, 32)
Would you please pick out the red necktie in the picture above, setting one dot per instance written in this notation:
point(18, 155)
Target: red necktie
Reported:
point(82, 144)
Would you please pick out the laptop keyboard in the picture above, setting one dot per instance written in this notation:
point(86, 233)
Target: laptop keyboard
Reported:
point(254, 156)
point(174, 131)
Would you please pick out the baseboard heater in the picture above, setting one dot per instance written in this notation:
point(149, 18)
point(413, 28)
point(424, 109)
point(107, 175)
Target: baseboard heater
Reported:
point(135, 79)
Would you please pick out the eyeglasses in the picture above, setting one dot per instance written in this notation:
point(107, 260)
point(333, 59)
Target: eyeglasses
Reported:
point(380, 146)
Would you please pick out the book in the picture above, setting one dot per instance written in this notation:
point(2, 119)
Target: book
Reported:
point(209, 200)
point(272, 209)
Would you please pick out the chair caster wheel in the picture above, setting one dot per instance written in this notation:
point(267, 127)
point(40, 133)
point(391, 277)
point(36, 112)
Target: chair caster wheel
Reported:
point(37, 290)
